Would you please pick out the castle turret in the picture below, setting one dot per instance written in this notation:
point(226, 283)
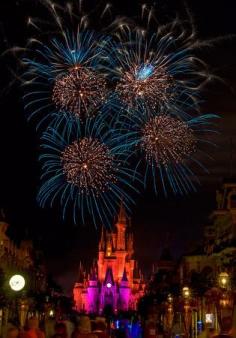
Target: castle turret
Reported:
point(109, 245)
point(124, 292)
point(130, 245)
point(124, 280)
point(102, 241)
point(92, 290)
point(121, 228)
point(109, 280)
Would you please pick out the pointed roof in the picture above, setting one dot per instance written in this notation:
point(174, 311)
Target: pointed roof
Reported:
point(122, 218)
point(93, 273)
point(80, 274)
point(124, 277)
point(109, 277)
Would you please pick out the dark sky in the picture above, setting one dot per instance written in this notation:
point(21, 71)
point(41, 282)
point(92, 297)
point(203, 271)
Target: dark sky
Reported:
point(65, 244)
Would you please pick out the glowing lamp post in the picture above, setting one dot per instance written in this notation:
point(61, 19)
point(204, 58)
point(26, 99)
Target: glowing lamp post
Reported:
point(169, 314)
point(225, 302)
point(224, 280)
point(108, 285)
point(187, 309)
point(186, 292)
point(17, 283)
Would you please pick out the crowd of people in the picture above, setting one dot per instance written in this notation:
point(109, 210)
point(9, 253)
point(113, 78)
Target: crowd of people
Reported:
point(81, 327)
point(99, 327)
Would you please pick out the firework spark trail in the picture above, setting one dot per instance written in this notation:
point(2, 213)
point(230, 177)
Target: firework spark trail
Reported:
point(167, 140)
point(70, 74)
point(65, 77)
point(165, 147)
point(147, 84)
point(160, 69)
point(81, 92)
point(85, 168)
point(88, 164)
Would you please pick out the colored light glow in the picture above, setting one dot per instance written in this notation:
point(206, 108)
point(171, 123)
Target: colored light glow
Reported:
point(224, 279)
point(51, 313)
point(186, 292)
point(17, 282)
point(209, 318)
point(108, 285)
point(144, 72)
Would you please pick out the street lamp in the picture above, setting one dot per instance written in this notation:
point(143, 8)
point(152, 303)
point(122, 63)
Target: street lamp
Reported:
point(223, 280)
point(169, 314)
point(187, 309)
point(186, 292)
point(225, 303)
point(17, 283)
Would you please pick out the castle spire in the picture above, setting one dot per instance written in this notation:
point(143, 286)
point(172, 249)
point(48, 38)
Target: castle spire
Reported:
point(93, 272)
point(109, 246)
point(121, 228)
point(124, 277)
point(130, 244)
point(109, 280)
point(81, 273)
point(122, 218)
point(102, 241)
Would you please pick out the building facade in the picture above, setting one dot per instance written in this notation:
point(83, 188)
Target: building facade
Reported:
point(12, 257)
point(218, 249)
point(114, 282)
point(15, 259)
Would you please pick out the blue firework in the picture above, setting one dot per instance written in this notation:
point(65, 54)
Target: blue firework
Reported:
point(168, 150)
point(66, 76)
point(160, 69)
point(84, 169)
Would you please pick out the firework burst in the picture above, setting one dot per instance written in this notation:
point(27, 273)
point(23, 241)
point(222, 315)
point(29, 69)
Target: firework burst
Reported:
point(144, 83)
point(81, 92)
point(166, 140)
point(159, 70)
point(167, 148)
point(89, 165)
point(65, 78)
point(151, 77)
point(64, 69)
point(85, 170)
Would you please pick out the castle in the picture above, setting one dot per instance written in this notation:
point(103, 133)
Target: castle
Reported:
point(114, 282)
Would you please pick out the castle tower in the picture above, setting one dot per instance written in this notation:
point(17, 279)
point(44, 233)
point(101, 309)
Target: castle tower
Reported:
point(92, 292)
point(124, 292)
point(78, 289)
point(111, 283)
point(130, 244)
point(102, 241)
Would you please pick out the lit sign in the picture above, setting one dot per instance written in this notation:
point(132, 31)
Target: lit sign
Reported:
point(209, 319)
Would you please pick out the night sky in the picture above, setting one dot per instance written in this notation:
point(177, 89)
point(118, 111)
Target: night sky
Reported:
point(154, 219)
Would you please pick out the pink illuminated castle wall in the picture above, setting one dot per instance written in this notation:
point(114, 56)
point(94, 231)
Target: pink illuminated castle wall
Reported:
point(115, 280)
